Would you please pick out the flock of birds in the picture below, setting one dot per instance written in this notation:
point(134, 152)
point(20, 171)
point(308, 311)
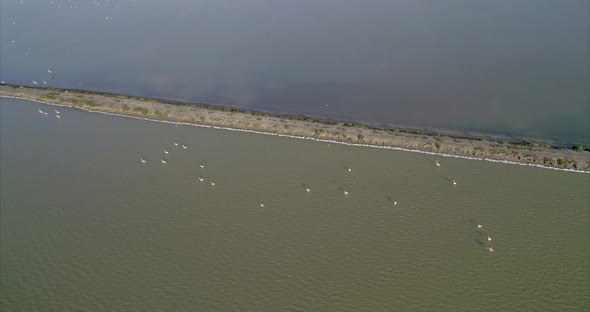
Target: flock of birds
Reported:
point(110, 6)
point(307, 189)
point(184, 146)
point(489, 248)
point(261, 204)
point(44, 113)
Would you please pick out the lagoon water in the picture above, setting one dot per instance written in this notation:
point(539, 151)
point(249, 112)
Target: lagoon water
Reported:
point(85, 226)
point(507, 67)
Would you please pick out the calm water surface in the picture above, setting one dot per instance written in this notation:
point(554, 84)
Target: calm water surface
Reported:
point(510, 67)
point(85, 226)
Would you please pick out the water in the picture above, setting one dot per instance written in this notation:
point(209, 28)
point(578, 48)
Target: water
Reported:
point(508, 67)
point(85, 226)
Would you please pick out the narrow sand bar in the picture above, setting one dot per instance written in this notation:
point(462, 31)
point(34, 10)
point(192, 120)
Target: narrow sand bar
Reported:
point(522, 152)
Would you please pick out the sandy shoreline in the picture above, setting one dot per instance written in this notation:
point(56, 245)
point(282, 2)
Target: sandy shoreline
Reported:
point(526, 154)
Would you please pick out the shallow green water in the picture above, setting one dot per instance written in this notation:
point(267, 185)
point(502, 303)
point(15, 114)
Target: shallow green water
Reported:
point(85, 226)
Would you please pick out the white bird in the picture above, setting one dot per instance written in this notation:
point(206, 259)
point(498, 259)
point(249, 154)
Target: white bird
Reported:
point(479, 226)
point(183, 146)
point(40, 111)
point(345, 192)
point(307, 189)
point(165, 151)
point(201, 179)
point(491, 249)
point(45, 113)
point(44, 82)
point(175, 143)
point(163, 161)
point(489, 238)
point(49, 71)
point(394, 202)
point(212, 183)
point(261, 204)
point(142, 160)
point(349, 170)
point(454, 182)
point(57, 115)
point(201, 165)
point(437, 164)
point(56, 111)
point(35, 82)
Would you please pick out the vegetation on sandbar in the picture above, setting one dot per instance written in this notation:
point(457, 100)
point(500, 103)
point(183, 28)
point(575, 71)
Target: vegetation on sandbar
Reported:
point(142, 110)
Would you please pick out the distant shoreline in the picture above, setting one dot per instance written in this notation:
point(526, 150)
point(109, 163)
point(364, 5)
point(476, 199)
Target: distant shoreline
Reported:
point(526, 153)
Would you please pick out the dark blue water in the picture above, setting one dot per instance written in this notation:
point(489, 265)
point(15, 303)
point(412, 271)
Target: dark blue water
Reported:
point(507, 67)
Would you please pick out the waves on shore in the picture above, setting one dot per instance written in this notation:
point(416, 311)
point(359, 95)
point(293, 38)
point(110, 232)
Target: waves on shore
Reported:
point(307, 138)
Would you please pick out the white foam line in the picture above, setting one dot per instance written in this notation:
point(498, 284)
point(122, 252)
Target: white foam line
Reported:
point(308, 138)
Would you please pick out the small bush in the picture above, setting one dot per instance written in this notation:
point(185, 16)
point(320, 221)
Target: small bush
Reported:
point(160, 114)
point(193, 120)
point(50, 96)
point(562, 162)
point(126, 108)
point(578, 148)
point(142, 110)
point(286, 127)
point(90, 103)
point(202, 119)
point(437, 145)
point(361, 137)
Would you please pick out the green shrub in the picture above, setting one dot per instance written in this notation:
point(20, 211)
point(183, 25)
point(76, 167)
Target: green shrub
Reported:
point(90, 103)
point(578, 148)
point(361, 137)
point(286, 127)
point(126, 108)
point(562, 162)
point(142, 110)
point(202, 119)
point(50, 96)
point(319, 131)
point(160, 114)
point(193, 120)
